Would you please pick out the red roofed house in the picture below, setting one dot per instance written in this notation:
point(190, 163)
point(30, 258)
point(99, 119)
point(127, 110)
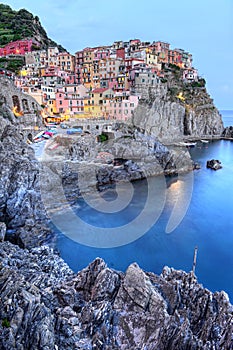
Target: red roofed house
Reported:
point(19, 47)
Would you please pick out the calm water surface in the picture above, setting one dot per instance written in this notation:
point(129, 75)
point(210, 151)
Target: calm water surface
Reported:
point(208, 224)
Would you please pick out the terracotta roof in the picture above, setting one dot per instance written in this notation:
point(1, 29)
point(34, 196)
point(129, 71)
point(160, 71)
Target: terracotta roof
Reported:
point(100, 90)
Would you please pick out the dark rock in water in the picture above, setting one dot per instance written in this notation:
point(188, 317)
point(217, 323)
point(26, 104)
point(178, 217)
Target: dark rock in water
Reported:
point(196, 166)
point(44, 305)
point(228, 132)
point(214, 164)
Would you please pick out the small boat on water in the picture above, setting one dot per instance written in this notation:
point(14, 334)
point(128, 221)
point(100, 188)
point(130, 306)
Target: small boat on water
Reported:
point(187, 144)
point(204, 141)
point(38, 136)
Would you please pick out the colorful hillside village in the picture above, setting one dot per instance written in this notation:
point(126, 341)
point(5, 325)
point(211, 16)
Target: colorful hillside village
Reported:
point(99, 82)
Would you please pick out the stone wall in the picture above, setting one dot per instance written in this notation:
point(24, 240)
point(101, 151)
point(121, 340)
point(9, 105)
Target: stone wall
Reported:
point(14, 96)
point(10, 96)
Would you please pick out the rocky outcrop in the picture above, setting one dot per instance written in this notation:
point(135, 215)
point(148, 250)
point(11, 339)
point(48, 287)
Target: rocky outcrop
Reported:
point(77, 167)
point(44, 305)
point(20, 201)
point(173, 112)
point(21, 207)
point(228, 132)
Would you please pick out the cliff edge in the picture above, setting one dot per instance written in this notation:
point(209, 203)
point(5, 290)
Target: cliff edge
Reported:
point(174, 110)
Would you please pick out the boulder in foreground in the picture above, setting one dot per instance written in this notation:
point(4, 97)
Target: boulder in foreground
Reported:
point(44, 305)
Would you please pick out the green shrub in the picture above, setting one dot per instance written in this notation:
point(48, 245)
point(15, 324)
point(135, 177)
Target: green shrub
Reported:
point(6, 323)
point(102, 137)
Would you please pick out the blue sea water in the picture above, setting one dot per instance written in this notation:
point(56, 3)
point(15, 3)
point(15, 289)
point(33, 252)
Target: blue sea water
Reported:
point(227, 116)
point(207, 224)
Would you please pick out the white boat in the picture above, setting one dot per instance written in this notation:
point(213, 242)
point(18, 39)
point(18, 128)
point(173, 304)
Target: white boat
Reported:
point(188, 144)
point(38, 135)
point(204, 141)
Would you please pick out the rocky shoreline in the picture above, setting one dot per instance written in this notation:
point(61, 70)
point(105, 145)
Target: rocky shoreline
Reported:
point(44, 305)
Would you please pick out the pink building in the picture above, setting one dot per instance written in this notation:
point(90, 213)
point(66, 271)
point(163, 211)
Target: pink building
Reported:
point(71, 98)
point(79, 57)
point(122, 108)
point(101, 54)
point(19, 47)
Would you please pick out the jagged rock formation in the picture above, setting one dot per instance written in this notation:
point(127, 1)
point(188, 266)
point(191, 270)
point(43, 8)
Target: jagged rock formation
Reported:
point(76, 167)
point(44, 305)
point(228, 132)
point(20, 201)
point(162, 114)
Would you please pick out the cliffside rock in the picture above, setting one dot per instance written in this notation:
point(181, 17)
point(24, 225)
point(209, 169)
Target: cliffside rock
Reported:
point(162, 114)
point(20, 201)
point(44, 305)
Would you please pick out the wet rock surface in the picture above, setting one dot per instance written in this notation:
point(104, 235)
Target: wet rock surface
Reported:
point(214, 164)
point(44, 305)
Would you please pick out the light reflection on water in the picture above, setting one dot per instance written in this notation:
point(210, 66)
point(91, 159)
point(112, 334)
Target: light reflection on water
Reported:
point(207, 224)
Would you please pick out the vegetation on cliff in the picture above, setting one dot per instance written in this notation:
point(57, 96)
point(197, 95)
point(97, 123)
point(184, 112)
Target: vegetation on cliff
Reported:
point(18, 25)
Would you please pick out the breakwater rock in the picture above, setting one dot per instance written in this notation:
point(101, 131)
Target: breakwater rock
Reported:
point(44, 305)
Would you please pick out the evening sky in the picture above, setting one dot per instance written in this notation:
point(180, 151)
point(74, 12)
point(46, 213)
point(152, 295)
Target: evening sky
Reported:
point(202, 27)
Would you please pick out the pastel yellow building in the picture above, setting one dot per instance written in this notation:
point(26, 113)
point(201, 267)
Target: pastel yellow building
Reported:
point(66, 61)
point(99, 102)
